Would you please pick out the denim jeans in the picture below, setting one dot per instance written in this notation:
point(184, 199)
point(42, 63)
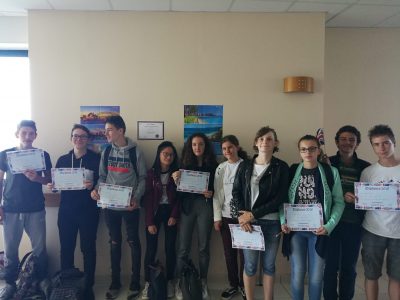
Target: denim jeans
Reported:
point(34, 225)
point(113, 220)
point(343, 250)
point(161, 217)
point(302, 250)
point(69, 223)
point(270, 229)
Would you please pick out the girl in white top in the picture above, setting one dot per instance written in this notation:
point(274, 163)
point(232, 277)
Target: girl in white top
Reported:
point(223, 183)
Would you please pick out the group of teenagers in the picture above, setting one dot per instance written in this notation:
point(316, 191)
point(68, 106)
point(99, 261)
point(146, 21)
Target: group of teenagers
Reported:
point(242, 190)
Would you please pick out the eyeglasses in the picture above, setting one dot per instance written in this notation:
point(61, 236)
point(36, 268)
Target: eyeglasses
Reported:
point(166, 154)
point(77, 136)
point(309, 150)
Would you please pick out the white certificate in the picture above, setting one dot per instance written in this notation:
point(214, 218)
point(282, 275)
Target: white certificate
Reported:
point(303, 217)
point(247, 240)
point(193, 181)
point(150, 130)
point(21, 160)
point(377, 196)
point(114, 196)
point(68, 178)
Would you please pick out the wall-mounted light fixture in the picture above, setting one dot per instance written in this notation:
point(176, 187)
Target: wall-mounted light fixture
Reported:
point(296, 84)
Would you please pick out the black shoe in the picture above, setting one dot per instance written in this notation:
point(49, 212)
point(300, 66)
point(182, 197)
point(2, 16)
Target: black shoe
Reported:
point(113, 290)
point(242, 292)
point(229, 293)
point(133, 294)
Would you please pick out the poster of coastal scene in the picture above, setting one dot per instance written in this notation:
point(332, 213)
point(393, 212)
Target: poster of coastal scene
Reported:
point(94, 118)
point(207, 119)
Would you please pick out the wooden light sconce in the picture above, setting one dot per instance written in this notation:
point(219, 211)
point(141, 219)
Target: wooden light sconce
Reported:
point(298, 84)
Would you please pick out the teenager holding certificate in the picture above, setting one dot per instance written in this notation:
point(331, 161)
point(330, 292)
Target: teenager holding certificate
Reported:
point(197, 155)
point(310, 186)
point(259, 189)
point(345, 240)
point(381, 232)
point(162, 208)
point(122, 164)
point(78, 212)
point(22, 209)
point(223, 184)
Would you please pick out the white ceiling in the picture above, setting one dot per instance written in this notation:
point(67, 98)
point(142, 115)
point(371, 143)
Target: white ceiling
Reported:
point(340, 13)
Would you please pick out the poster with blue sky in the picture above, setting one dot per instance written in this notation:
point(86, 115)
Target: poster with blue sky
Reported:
point(207, 119)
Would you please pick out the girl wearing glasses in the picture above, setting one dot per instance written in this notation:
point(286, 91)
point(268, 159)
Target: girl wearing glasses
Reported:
point(78, 212)
point(197, 155)
point(310, 185)
point(223, 183)
point(162, 208)
point(259, 189)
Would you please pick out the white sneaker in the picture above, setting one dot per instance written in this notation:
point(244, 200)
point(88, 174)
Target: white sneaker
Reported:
point(170, 289)
point(145, 292)
point(204, 290)
point(178, 291)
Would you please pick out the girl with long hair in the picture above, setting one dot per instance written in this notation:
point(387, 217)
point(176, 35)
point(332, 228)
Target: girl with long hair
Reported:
point(197, 155)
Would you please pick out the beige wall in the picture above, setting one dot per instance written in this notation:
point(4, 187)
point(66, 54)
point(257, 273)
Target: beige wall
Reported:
point(362, 71)
point(151, 64)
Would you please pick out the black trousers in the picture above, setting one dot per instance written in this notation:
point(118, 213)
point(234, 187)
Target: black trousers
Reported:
point(114, 221)
point(161, 218)
point(70, 222)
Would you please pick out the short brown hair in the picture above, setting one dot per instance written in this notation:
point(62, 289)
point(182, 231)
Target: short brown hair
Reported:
point(263, 131)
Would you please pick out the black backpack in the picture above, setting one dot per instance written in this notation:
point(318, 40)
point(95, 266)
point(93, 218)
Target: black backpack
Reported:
point(190, 282)
point(158, 282)
point(28, 284)
point(68, 284)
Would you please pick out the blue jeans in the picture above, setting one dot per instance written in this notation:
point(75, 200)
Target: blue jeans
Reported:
point(270, 229)
point(343, 249)
point(302, 250)
point(34, 225)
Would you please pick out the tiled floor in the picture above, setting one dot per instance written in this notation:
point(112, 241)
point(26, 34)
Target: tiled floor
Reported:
point(282, 288)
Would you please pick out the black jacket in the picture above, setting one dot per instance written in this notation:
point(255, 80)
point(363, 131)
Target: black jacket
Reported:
point(273, 187)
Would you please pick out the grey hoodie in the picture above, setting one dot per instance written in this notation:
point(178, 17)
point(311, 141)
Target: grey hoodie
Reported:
point(120, 169)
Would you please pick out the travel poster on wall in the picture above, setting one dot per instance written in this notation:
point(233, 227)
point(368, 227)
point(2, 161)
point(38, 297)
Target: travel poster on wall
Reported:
point(94, 118)
point(207, 119)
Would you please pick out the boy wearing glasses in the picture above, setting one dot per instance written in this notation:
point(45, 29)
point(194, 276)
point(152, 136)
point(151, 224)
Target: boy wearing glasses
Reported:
point(22, 208)
point(123, 164)
point(345, 239)
point(78, 212)
point(381, 228)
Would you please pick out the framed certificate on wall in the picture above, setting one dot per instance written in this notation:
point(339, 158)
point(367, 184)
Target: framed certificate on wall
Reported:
point(150, 130)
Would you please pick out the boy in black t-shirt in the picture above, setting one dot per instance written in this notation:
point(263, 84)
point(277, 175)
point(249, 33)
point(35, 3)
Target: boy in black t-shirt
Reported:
point(22, 208)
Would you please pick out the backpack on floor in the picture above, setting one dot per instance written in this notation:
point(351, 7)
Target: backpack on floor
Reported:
point(158, 282)
point(28, 284)
point(190, 282)
point(68, 284)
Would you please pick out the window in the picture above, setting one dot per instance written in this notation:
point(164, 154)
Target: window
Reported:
point(14, 94)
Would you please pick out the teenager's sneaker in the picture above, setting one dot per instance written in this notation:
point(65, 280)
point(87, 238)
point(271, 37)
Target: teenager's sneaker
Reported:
point(7, 292)
point(204, 290)
point(178, 291)
point(133, 294)
point(113, 291)
point(170, 289)
point(229, 293)
point(242, 292)
point(145, 292)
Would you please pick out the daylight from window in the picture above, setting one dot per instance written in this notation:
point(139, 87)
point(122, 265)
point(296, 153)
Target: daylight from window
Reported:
point(14, 97)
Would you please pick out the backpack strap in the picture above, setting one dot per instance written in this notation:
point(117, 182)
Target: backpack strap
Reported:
point(132, 157)
point(328, 174)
